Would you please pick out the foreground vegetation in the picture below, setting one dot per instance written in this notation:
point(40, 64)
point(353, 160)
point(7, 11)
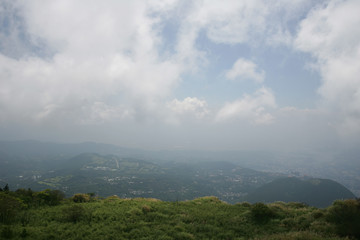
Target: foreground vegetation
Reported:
point(25, 214)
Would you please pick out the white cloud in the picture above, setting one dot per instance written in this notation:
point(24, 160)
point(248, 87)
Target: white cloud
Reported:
point(74, 64)
point(70, 53)
point(330, 33)
point(252, 108)
point(247, 21)
point(101, 53)
point(244, 69)
point(83, 113)
point(11, 44)
point(190, 107)
point(231, 22)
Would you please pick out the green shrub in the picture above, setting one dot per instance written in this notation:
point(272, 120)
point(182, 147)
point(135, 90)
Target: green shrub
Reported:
point(244, 204)
point(184, 236)
point(297, 205)
point(81, 198)
point(6, 232)
point(346, 217)
point(261, 213)
point(303, 235)
point(23, 233)
point(318, 214)
point(9, 207)
point(25, 195)
point(289, 222)
point(48, 197)
point(74, 213)
point(145, 209)
point(303, 223)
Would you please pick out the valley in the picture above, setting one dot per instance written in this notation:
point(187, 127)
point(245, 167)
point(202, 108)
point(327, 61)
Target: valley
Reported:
point(129, 173)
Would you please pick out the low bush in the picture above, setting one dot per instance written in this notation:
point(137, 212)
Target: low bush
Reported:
point(261, 213)
point(81, 198)
point(346, 217)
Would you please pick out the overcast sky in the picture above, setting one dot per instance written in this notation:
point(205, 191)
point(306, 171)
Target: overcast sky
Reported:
point(256, 74)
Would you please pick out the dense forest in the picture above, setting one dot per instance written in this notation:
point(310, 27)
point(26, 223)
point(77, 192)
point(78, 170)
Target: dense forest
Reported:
point(47, 214)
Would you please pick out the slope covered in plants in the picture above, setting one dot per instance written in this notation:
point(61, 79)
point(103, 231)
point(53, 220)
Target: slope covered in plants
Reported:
point(39, 215)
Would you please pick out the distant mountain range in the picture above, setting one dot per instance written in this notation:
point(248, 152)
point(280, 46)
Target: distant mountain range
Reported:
point(110, 170)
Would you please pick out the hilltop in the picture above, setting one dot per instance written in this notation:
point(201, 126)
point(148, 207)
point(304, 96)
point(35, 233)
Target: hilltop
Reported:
point(314, 192)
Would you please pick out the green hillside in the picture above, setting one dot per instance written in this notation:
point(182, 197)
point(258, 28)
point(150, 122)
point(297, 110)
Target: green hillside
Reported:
point(25, 214)
point(314, 192)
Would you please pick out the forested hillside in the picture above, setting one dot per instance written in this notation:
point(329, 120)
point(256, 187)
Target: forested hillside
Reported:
point(25, 214)
point(314, 192)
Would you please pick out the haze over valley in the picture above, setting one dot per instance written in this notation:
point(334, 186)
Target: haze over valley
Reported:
point(233, 177)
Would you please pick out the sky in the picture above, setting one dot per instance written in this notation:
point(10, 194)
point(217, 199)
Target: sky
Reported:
point(171, 74)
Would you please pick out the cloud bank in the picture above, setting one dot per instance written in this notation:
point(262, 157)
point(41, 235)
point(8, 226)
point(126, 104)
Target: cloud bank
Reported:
point(244, 69)
point(250, 107)
point(137, 65)
point(330, 34)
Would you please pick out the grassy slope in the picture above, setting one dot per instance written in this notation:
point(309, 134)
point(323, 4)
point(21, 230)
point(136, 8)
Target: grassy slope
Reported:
point(203, 218)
